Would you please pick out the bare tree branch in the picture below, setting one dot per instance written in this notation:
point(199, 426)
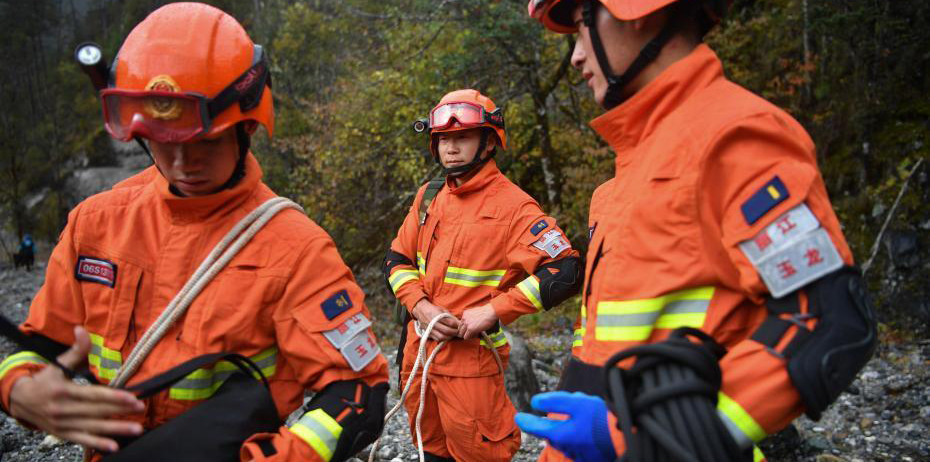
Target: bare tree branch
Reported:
point(878, 240)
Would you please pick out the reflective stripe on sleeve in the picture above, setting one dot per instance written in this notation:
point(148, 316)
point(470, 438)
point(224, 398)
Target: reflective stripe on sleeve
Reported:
point(578, 334)
point(473, 278)
point(401, 277)
point(742, 426)
point(106, 361)
point(757, 455)
point(498, 339)
point(634, 320)
point(320, 431)
point(421, 264)
point(202, 383)
point(18, 359)
point(530, 289)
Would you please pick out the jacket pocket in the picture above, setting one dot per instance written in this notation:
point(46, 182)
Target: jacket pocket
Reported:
point(108, 317)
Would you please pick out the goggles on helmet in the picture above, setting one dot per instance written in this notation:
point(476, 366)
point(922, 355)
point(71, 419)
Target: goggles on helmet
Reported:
point(165, 115)
point(466, 114)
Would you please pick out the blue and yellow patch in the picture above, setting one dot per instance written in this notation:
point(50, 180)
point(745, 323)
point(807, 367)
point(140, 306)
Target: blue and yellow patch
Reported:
point(766, 198)
point(337, 304)
point(539, 227)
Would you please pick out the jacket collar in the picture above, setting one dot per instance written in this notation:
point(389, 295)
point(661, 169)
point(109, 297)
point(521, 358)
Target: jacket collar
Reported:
point(485, 175)
point(203, 208)
point(628, 124)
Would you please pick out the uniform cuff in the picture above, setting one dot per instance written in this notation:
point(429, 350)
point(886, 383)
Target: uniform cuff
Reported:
point(503, 308)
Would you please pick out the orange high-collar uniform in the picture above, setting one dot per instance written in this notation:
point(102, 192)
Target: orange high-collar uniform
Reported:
point(266, 304)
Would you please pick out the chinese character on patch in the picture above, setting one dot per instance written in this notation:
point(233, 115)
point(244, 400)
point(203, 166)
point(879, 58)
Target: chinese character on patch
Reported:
point(342, 328)
point(762, 240)
point(784, 224)
point(813, 256)
point(787, 269)
point(361, 350)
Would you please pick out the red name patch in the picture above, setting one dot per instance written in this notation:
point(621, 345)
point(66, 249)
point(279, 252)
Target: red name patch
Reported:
point(95, 270)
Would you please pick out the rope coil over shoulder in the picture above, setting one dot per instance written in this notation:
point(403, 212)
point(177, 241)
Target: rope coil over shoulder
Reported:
point(424, 334)
point(219, 257)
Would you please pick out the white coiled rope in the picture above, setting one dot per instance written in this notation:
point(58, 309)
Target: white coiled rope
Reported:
point(215, 261)
point(413, 372)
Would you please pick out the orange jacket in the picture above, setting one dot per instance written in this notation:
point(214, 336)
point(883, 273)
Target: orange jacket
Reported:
point(480, 244)
point(273, 302)
point(669, 231)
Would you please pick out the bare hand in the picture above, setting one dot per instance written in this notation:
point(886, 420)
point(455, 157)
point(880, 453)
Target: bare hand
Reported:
point(444, 329)
point(78, 413)
point(477, 320)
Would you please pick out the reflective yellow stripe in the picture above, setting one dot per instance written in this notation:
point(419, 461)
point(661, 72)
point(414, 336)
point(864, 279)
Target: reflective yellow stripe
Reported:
point(578, 335)
point(320, 431)
point(202, 383)
point(401, 277)
point(530, 289)
point(473, 278)
point(421, 264)
point(18, 359)
point(757, 455)
point(742, 426)
point(498, 339)
point(634, 320)
point(106, 361)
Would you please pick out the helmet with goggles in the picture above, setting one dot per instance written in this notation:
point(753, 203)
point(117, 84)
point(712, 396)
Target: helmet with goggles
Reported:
point(188, 70)
point(465, 110)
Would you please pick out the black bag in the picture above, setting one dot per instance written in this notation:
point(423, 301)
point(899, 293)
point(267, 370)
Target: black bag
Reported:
point(213, 430)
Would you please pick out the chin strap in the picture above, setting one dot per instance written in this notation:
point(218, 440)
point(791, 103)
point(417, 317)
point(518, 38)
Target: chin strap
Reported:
point(475, 163)
point(244, 142)
point(616, 83)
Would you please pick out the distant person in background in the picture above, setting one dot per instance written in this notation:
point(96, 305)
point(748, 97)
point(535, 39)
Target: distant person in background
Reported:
point(26, 255)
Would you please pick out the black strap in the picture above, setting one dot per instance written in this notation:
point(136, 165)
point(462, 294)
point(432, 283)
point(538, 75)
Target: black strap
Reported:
point(476, 162)
point(170, 377)
point(247, 89)
point(580, 376)
point(432, 189)
point(44, 347)
point(648, 54)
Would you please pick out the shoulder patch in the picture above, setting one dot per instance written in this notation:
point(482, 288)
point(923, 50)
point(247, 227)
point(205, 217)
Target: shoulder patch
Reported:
point(336, 304)
point(771, 194)
point(95, 270)
point(792, 251)
point(552, 243)
point(341, 334)
point(539, 227)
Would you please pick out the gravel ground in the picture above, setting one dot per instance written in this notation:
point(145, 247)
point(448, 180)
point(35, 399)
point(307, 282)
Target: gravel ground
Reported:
point(884, 416)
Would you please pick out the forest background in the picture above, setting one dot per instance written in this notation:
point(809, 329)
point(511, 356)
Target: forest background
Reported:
point(351, 76)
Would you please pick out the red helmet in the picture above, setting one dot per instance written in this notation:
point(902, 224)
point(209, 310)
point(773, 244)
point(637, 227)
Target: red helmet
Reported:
point(556, 15)
point(187, 70)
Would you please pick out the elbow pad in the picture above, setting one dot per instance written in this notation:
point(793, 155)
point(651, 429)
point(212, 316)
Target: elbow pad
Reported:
point(357, 408)
point(559, 280)
point(392, 259)
point(823, 362)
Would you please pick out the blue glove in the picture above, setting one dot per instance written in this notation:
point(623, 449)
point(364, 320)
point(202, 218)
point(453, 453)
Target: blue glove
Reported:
point(584, 437)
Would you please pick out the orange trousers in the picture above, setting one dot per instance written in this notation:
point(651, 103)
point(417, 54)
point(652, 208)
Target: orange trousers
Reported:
point(469, 419)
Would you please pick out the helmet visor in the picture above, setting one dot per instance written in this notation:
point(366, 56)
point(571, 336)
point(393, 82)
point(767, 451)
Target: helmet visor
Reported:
point(465, 113)
point(162, 116)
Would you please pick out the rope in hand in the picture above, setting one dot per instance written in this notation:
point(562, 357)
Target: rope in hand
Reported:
point(215, 261)
point(413, 372)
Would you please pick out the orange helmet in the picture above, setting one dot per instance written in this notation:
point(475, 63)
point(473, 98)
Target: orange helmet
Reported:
point(187, 64)
point(556, 15)
point(463, 110)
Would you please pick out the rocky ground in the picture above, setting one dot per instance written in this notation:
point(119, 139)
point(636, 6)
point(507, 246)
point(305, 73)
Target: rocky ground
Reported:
point(884, 416)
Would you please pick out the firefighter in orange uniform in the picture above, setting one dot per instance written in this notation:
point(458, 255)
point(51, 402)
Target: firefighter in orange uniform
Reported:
point(476, 246)
point(286, 299)
point(717, 227)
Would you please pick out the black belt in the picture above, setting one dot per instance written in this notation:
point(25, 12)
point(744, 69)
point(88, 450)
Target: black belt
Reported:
point(581, 376)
